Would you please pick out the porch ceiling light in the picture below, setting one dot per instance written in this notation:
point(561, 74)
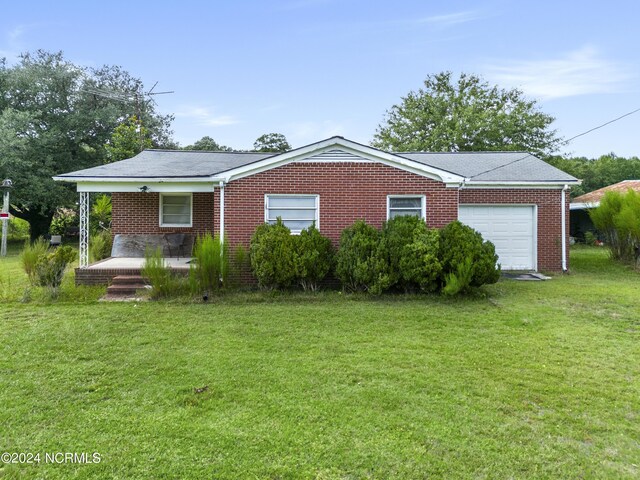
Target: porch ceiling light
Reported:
point(144, 189)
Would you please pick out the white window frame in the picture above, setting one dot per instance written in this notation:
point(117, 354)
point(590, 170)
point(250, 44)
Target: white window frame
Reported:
point(182, 225)
point(423, 204)
point(306, 195)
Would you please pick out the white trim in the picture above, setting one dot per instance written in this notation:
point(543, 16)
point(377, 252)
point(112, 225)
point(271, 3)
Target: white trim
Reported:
point(177, 225)
point(583, 206)
point(532, 185)
point(423, 203)
point(349, 147)
point(119, 187)
point(117, 180)
point(307, 195)
point(535, 221)
point(563, 208)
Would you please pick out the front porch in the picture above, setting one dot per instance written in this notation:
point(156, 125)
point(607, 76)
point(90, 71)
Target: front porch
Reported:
point(103, 271)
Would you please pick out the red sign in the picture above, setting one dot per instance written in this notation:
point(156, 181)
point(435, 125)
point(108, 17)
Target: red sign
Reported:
point(4, 215)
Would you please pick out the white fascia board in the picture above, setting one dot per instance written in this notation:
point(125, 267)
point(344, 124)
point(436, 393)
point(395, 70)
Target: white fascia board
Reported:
point(350, 147)
point(134, 179)
point(516, 184)
point(153, 187)
point(583, 206)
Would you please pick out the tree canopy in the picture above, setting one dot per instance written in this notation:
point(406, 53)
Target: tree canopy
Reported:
point(466, 114)
point(128, 139)
point(208, 143)
point(271, 142)
point(53, 120)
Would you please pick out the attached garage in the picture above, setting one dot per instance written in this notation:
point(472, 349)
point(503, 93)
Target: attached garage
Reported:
point(511, 228)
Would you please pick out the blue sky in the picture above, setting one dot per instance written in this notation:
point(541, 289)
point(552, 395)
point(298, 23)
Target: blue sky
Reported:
point(314, 68)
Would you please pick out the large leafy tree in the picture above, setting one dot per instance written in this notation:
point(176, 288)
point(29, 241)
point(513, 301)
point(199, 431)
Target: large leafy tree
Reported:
point(208, 143)
point(271, 142)
point(55, 117)
point(127, 140)
point(466, 114)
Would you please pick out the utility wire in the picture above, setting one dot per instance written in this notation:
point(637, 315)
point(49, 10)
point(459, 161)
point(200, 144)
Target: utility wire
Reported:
point(603, 125)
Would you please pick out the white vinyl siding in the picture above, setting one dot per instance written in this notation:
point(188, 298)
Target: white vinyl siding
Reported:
point(398, 205)
point(296, 211)
point(175, 210)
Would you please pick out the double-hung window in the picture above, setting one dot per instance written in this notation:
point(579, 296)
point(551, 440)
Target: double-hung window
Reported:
point(296, 211)
point(175, 210)
point(398, 205)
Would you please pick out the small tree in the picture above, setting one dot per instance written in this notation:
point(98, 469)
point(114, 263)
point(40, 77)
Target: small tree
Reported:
point(313, 258)
point(618, 220)
point(51, 267)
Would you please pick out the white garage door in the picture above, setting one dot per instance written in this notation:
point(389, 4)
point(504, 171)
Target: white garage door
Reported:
point(511, 228)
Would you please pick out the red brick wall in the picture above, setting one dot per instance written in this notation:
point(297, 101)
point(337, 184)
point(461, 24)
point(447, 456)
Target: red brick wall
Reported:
point(140, 213)
point(348, 192)
point(549, 218)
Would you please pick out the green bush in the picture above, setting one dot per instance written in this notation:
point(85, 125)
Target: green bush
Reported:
point(313, 258)
point(460, 244)
point(100, 245)
point(358, 264)
point(211, 268)
point(419, 264)
point(459, 281)
point(18, 229)
point(618, 220)
point(51, 267)
point(63, 219)
point(590, 238)
point(31, 254)
point(100, 218)
point(271, 254)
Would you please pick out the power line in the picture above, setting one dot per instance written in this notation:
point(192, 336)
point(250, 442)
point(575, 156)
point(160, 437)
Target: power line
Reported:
point(600, 126)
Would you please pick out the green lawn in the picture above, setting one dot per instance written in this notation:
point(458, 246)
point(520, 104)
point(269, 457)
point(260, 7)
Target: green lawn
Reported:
point(524, 380)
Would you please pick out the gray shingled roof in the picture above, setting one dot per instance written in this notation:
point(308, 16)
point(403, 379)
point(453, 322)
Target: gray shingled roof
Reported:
point(171, 163)
point(477, 166)
point(492, 166)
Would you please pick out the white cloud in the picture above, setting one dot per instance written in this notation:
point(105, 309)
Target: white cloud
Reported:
point(205, 117)
point(580, 72)
point(450, 19)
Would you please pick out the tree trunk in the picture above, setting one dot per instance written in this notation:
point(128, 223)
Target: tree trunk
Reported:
point(38, 223)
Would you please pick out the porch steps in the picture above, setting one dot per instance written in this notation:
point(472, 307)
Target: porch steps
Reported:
point(124, 287)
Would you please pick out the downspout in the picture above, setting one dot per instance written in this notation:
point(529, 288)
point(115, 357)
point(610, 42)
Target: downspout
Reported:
point(564, 227)
point(222, 212)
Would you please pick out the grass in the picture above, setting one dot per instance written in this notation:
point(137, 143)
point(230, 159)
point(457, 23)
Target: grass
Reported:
point(523, 380)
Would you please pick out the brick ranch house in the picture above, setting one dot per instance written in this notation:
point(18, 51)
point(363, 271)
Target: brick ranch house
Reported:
point(514, 199)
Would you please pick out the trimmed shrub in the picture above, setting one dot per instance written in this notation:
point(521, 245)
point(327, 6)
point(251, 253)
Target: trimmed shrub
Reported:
point(51, 267)
point(313, 258)
point(459, 281)
point(272, 255)
point(410, 251)
point(419, 264)
point(358, 264)
point(100, 245)
point(31, 255)
point(211, 267)
point(618, 220)
point(460, 244)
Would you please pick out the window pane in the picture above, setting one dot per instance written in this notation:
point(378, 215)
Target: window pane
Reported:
point(399, 213)
point(295, 225)
point(292, 202)
point(293, 214)
point(176, 219)
point(405, 202)
point(176, 209)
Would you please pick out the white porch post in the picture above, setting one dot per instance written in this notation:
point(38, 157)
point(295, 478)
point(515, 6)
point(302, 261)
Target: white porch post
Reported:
point(221, 212)
point(84, 229)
